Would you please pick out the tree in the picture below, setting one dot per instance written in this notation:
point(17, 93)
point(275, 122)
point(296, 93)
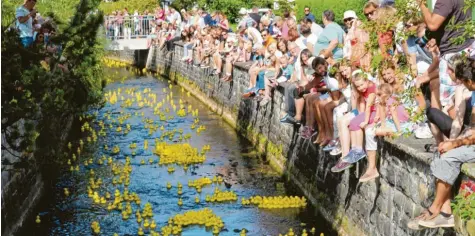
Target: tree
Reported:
point(37, 95)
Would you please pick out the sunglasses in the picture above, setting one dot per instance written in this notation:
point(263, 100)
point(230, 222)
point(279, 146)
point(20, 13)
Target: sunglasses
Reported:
point(348, 19)
point(369, 13)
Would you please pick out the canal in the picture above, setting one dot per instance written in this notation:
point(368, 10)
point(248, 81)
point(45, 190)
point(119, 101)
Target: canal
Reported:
point(119, 180)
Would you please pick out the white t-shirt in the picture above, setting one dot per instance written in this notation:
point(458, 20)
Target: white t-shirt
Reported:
point(25, 28)
point(332, 83)
point(316, 29)
point(254, 35)
point(302, 41)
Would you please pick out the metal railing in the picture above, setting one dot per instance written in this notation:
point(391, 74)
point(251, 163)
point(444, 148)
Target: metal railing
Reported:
point(129, 27)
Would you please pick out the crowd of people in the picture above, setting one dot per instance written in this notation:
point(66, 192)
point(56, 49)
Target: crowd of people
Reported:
point(333, 91)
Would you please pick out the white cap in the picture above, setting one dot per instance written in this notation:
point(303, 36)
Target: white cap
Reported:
point(243, 11)
point(350, 14)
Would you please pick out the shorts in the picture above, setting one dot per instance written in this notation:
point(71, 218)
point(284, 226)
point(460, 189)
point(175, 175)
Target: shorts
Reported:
point(338, 112)
point(447, 166)
point(26, 41)
point(355, 122)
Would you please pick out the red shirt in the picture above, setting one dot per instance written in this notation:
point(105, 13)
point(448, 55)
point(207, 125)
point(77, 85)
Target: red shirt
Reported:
point(371, 89)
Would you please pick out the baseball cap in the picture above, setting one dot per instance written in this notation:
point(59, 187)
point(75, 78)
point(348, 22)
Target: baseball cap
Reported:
point(349, 14)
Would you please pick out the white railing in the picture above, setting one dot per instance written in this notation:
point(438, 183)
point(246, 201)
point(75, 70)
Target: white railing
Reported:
point(129, 27)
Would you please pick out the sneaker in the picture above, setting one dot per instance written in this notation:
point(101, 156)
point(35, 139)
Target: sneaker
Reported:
point(423, 132)
point(289, 120)
point(306, 132)
point(438, 221)
point(431, 148)
point(414, 222)
point(349, 156)
point(336, 150)
point(330, 146)
point(341, 166)
point(358, 155)
point(248, 95)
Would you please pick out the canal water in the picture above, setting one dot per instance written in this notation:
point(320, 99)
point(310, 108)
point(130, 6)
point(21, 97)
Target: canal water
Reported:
point(230, 158)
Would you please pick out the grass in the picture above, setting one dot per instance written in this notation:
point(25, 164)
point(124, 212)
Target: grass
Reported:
point(337, 6)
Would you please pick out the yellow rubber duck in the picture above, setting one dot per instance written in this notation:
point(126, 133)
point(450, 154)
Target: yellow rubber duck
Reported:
point(304, 232)
point(38, 220)
point(243, 232)
point(197, 199)
point(66, 192)
point(180, 202)
point(153, 225)
point(140, 232)
point(169, 185)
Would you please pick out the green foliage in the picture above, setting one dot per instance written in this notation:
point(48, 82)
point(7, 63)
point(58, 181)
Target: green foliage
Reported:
point(338, 7)
point(468, 28)
point(34, 92)
point(464, 206)
point(131, 5)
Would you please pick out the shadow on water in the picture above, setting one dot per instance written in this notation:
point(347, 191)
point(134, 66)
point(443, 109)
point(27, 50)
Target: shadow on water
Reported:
point(231, 157)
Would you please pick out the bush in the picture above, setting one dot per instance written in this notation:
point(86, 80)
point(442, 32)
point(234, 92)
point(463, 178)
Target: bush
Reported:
point(131, 5)
point(338, 7)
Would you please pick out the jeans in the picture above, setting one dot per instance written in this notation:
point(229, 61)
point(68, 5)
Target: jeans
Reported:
point(186, 49)
point(26, 41)
point(289, 89)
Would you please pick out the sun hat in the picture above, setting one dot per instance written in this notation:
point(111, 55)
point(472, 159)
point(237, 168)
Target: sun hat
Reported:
point(242, 11)
point(350, 14)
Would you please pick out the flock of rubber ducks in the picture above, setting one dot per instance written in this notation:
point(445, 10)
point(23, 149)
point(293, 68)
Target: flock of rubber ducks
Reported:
point(276, 202)
point(178, 153)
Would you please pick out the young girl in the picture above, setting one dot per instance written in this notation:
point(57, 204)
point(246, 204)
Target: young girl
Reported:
point(365, 97)
point(394, 119)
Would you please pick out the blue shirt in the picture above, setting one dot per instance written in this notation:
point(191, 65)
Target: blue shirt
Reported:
point(311, 17)
point(287, 71)
point(473, 99)
point(331, 32)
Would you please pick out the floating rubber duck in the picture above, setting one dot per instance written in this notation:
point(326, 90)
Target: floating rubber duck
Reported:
point(169, 185)
point(243, 232)
point(66, 192)
point(140, 232)
point(38, 220)
point(180, 202)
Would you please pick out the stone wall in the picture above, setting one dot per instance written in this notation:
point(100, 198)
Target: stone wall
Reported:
point(381, 207)
point(23, 182)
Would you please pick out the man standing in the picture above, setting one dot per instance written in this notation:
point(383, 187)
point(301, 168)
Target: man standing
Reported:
point(255, 16)
point(24, 23)
point(446, 167)
point(308, 14)
point(447, 12)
